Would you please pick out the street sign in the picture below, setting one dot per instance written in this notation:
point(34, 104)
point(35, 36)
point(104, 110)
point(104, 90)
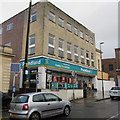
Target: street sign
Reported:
point(15, 67)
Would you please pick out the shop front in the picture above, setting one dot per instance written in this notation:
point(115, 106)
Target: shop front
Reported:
point(55, 75)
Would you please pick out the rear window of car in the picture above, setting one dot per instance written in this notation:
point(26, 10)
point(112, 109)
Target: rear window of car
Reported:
point(20, 99)
point(115, 88)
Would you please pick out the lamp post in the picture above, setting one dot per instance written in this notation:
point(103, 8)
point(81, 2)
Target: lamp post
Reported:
point(25, 70)
point(102, 70)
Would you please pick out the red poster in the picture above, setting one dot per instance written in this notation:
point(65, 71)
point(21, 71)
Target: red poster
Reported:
point(63, 79)
point(54, 78)
point(75, 80)
point(70, 80)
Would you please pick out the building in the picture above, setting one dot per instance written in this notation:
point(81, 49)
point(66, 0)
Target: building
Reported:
point(117, 60)
point(11, 34)
point(5, 61)
point(109, 66)
point(62, 52)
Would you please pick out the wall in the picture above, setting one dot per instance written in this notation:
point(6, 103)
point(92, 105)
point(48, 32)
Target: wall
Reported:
point(67, 94)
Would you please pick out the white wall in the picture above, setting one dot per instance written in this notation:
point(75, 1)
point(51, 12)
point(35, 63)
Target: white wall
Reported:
point(107, 85)
point(67, 94)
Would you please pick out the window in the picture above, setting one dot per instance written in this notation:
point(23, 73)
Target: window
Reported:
point(52, 16)
point(51, 44)
point(75, 31)
point(111, 67)
point(69, 51)
point(91, 40)
point(33, 17)
point(87, 58)
point(76, 53)
point(1, 31)
point(69, 27)
point(9, 27)
point(61, 48)
point(61, 22)
point(51, 97)
point(32, 44)
point(92, 59)
point(20, 99)
point(82, 56)
point(86, 37)
point(81, 34)
point(38, 98)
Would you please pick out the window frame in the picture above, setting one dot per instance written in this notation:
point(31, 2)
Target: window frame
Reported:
point(51, 16)
point(61, 22)
point(32, 16)
point(9, 27)
point(69, 27)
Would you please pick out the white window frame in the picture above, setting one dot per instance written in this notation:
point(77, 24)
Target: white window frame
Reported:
point(51, 45)
point(91, 40)
point(32, 45)
point(87, 38)
point(61, 48)
point(69, 27)
point(51, 16)
point(1, 31)
point(32, 15)
point(75, 30)
point(81, 34)
point(61, 22)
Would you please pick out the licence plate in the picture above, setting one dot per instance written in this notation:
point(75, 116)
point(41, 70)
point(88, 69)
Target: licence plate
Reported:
point(13, 115)
point(114, 92)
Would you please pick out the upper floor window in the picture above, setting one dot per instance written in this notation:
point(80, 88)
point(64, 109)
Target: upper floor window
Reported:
point(91, 40)
point(111, 67)
point(61, 22)
point(1, 31)
point(69, 27)
point(75, 31)
point(69, 51)
point(52, 16)
point(9, 27)
point(32, 44)
point(76, 53)
point(82, 56)
point(61, 48)
point(51, 44)
point(87, 58)
point(33, 17)
point(86, 37)
point(81, 34)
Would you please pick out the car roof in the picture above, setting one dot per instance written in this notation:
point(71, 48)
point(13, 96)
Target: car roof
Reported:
point(33, 93)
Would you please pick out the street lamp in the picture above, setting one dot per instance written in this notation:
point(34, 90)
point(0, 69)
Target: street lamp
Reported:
point(102, 70)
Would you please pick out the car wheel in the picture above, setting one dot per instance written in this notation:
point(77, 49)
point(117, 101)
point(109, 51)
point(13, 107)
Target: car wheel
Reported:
point(35, 116)
point(67, 111)
point(111, 97)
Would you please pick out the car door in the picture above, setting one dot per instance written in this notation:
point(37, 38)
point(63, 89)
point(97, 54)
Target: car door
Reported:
point(55, 104)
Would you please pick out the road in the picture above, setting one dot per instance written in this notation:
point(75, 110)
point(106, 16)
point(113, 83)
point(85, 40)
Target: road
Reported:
point(107, 109)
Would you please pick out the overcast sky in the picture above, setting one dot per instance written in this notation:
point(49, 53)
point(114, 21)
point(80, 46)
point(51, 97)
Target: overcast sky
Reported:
point(99, 16)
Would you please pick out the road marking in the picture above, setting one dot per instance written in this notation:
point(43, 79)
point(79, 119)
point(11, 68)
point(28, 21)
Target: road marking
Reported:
point(113, 116)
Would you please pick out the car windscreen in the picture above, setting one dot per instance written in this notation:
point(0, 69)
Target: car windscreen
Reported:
point(20, 99)
point(115, 88)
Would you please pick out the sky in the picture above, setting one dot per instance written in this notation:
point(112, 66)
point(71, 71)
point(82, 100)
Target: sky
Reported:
point(99, 16)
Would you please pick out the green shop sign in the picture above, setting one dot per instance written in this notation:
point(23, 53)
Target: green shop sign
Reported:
point(58, 64)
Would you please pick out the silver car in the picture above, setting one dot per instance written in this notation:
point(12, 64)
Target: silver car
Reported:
point(34, 106)
point(114, 92)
